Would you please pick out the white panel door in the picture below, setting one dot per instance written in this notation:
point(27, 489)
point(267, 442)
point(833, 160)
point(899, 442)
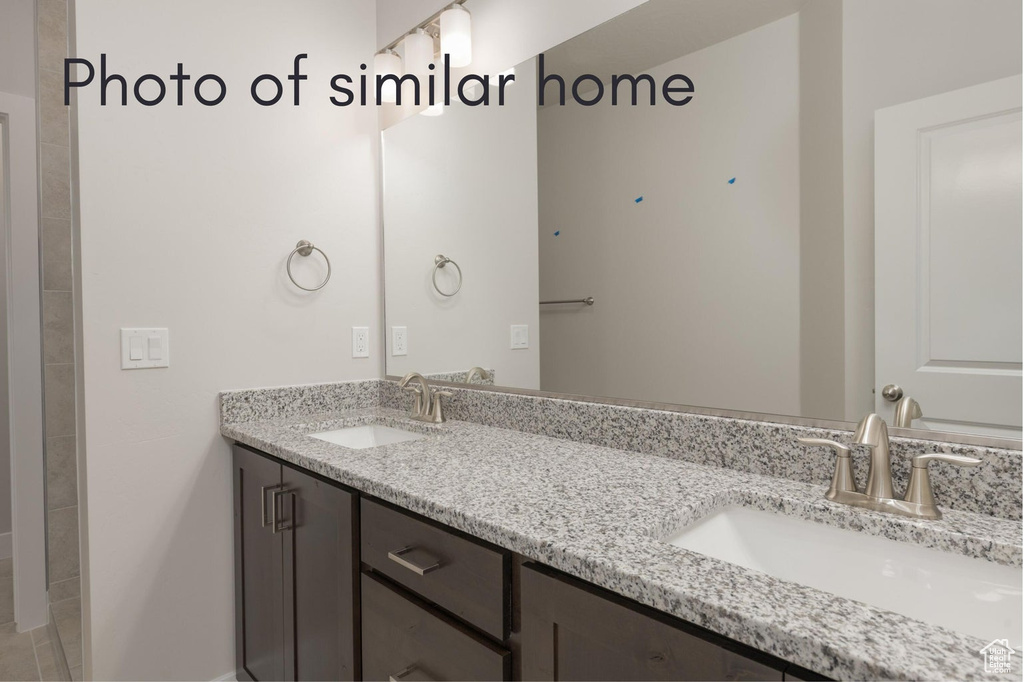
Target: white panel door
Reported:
point(948, 257)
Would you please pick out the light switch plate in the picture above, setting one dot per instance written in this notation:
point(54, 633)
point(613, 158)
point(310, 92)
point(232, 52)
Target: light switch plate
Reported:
point(399, 341)
point(360, 342)
point(145, 348)
point(520, 336)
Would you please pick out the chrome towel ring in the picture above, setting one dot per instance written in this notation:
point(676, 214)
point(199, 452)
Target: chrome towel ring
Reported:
point(440, 262)
point(305, 249)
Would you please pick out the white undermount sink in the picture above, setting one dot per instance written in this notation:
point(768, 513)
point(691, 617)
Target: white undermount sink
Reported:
point(970, 596)
point(367, 436)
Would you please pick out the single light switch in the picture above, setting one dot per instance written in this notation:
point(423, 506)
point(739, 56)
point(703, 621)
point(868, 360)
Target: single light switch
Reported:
point(135, 349)
point(145, 348)
point(156, 348)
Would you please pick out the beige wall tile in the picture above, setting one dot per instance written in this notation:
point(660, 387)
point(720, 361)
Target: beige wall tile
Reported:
point(56, 160)
point(58, 328)
point(56, 254)
point(65, 589)
point(61, 474)
point(56, 196)
point(52, 34)
point(54, 121)
point(62, 526)
point(59, 398)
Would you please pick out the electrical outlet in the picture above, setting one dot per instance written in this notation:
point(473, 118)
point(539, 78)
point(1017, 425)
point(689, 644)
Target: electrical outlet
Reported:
point(399, 341)
point(360, 342)
point(520, 336)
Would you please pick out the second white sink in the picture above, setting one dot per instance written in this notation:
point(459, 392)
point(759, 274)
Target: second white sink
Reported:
point(367, 436)
point(970, 596)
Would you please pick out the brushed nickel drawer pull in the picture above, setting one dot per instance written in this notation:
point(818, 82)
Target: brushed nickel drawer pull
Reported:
point(398, 556)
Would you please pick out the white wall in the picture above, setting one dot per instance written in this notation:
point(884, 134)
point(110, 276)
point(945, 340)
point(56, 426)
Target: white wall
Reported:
point(18, 47)
point(822, 368)
point(896, 51)
point(465, 185)
point(17, 77)
point(697, 287)
point(23, 491)
point(187, 215)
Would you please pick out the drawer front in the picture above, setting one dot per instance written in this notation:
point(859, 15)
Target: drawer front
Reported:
point(407, 641)
point(462, 577)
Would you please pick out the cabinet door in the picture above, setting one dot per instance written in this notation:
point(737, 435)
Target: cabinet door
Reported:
point(320, 575)
point(259, 593)
point(574, 631)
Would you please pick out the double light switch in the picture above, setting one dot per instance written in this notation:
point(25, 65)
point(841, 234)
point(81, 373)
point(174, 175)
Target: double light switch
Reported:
point(144, 348)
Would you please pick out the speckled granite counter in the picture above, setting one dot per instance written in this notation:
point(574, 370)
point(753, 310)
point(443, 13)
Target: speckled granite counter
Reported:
point(596, 513)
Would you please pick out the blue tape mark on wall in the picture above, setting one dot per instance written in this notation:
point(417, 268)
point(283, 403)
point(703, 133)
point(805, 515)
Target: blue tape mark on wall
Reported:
point(639, 199)
point(733, 181)
point(558, 233)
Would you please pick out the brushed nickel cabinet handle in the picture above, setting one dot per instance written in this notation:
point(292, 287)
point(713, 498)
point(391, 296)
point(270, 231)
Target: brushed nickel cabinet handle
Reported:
point(398, 556)
point(263, 502)
point(276, 525)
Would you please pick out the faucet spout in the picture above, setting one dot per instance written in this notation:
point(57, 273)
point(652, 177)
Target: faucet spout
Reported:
point(422, 407)
point(873, 433)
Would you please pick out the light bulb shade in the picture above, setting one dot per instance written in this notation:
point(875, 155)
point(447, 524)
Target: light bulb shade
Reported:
point(387, 63)
point(457, 35)
point(419, 53)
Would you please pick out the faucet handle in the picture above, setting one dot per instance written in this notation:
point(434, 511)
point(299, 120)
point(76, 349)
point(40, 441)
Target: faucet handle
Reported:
point(437, 409)
point(919, 489)
point(417, 407)
point(842, 477)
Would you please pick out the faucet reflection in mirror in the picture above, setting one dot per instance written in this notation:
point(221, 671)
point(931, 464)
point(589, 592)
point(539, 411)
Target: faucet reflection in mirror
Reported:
point(878, 495)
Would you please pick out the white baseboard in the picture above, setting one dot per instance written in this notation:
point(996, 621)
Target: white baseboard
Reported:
point(6, 546)
point(230, 677)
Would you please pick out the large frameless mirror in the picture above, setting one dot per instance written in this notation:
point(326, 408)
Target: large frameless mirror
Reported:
point(829, 226)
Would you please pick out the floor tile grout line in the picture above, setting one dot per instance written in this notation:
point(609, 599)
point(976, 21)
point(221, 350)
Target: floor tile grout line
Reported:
point(35, 654)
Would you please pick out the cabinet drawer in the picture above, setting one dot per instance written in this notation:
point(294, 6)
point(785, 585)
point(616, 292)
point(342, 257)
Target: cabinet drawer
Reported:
point(406, 641)
point(462, 577)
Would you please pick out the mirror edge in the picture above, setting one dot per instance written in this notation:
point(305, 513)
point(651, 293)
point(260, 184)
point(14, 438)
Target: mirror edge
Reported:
point(916, 434)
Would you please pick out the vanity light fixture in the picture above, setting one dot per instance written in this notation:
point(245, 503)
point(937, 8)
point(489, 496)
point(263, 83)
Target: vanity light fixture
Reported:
point(388, 63)
point(457, 35)
point(419, 53)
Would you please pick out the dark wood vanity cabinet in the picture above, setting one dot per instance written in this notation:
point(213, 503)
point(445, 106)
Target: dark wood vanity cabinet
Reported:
point(296, 574)
point(574, 631)
point(333, 585)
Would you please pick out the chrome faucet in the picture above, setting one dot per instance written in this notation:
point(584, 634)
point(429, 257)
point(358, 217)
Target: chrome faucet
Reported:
point(477, 372)
point(428, 406)
point(918, 502)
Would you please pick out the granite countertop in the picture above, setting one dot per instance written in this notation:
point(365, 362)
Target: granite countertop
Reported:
point(597, 513)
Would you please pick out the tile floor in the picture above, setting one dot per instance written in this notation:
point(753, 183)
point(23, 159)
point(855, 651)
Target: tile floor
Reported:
point(23, 655)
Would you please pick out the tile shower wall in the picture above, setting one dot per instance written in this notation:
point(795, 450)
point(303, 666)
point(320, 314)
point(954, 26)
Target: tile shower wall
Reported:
point(58, 329)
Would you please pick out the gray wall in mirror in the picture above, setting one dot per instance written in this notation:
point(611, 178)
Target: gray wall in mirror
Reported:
point(729, 244)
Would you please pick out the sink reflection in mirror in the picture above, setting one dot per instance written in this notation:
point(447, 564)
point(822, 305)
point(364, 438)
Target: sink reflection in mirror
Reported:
point(968, 595)
point(726, 245)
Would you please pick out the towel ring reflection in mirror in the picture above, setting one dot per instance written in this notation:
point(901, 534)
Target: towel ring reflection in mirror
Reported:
point(305, 249)
point(439, 263)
